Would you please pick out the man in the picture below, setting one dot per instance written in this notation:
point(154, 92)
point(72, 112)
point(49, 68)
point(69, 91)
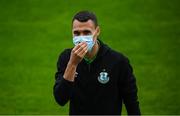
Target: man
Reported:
point(92, 76)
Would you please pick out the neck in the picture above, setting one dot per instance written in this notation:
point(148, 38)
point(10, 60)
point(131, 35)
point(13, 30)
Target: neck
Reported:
point(93, 52)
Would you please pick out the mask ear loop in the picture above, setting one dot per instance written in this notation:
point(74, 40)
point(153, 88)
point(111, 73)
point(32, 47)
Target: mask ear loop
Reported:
point(93, 35)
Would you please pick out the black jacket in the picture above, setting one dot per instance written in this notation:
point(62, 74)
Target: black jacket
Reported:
point(94, 92)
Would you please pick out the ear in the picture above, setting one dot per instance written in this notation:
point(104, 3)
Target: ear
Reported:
point(98, 31)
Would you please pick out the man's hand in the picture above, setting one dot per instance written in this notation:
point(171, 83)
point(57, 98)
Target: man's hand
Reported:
point(77, 54)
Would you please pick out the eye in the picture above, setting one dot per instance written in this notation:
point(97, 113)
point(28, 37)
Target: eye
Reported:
point(76, 33)
point(87, 32)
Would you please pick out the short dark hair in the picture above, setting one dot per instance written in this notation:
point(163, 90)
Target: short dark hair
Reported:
point(84, 16)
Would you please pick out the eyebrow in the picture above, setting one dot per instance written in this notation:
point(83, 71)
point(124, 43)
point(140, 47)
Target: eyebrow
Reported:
point(83, 31)
point(86, 31)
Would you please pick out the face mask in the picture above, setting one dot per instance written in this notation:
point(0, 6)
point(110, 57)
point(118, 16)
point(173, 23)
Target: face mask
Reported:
point(88, 39)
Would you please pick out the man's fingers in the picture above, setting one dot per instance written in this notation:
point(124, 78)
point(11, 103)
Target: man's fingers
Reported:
point(78, 52)
point(77, 46)
point(80, 48)
point(83, 52)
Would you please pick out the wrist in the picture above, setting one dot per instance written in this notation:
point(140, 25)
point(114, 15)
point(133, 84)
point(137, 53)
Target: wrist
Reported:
point(70, 72)
point(72, 64)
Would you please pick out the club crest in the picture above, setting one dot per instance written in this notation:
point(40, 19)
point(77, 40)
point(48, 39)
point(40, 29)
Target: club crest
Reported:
point(103, 77)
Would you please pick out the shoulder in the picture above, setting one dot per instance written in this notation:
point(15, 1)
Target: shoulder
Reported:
point(118, 56)
point(65, 52)
point(64, 55)
point(121, 60)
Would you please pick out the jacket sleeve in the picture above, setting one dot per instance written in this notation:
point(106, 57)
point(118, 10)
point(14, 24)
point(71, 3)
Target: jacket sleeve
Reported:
point(62, 88)
point(129, 89)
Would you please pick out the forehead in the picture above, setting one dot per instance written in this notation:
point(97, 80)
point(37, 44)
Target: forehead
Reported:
point(77, 25)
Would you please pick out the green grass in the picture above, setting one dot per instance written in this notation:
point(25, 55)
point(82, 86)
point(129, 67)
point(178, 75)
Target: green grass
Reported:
point(34, 32)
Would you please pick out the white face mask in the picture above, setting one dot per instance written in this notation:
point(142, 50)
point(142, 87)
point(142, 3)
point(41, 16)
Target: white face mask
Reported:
point(87, 38)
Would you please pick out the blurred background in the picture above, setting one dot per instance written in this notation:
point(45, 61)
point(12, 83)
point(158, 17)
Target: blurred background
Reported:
point(34, 32)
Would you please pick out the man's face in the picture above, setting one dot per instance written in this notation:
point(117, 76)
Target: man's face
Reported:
point(85, 28)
